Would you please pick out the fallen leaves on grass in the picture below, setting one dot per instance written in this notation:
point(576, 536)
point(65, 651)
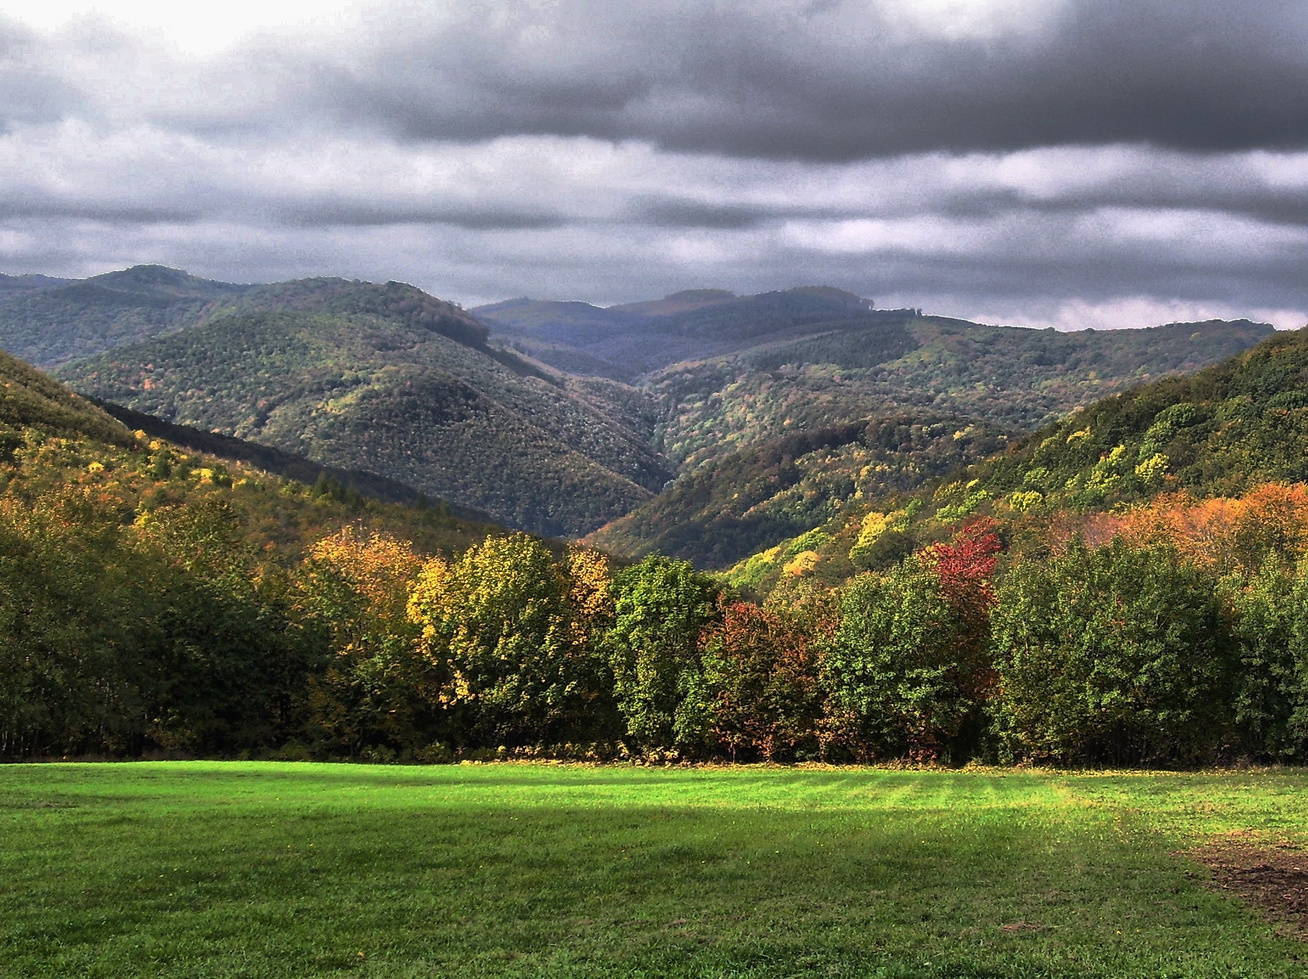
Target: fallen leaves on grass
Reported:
point(1271, 876)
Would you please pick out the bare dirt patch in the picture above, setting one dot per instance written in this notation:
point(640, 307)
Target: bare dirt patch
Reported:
point(1271, 876)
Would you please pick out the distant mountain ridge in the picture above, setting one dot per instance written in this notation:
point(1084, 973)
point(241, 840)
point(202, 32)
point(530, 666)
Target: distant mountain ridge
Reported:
point(59, 321)
point(561, 417)
point(628, 341)
point(53, 321)
point(29, 283)
point(390, 394)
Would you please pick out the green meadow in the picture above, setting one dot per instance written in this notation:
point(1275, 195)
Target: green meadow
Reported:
point(268, 869)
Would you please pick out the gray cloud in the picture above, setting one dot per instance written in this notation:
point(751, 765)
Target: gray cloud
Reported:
point(838, 81)
point(1025, 157)
point(32, 89)
point(776, 82)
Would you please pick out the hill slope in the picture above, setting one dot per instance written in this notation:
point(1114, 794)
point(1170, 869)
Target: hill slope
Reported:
point(398, 396)
point(330, 479)
point(53, 441)
point(755, 498)
point(31, 401)
point(730, 371)
point(1018, 379)
point(384, 378)
point(1219, 432)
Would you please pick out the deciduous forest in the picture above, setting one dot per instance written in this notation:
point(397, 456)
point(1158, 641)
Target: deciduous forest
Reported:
point(1128, 585)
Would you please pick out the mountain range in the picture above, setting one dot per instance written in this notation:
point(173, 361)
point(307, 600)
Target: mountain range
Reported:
point(764, 413)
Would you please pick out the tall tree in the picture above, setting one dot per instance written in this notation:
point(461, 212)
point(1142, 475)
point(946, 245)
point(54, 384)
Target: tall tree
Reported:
point(500, 622)
point(661, 606)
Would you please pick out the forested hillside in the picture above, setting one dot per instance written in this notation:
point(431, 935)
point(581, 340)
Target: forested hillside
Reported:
point(966, 385)
point(1018, 379)
point(51, 321)
point(157, 599)
point(384, 378)
point(1220, 432)
point(401, 391)
point(231, 449)
point(11, 284)
point(754, 498)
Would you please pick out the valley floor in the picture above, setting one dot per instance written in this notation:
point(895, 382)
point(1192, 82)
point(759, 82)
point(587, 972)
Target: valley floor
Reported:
point(278, 869)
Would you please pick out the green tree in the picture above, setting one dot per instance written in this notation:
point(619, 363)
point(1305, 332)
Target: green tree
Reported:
point(1113, 654)
point(228, 656)
point(900, 678)
point(71, 666)
point(660, 608)
point(1265, 612)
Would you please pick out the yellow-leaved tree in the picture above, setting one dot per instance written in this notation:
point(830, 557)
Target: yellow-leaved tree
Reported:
point(374, 697)
point(515, 633)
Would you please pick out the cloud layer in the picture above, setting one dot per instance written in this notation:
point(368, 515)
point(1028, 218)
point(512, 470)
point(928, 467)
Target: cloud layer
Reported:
point(1060, 162)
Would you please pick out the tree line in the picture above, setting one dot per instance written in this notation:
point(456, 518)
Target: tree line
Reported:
point(1172, 634)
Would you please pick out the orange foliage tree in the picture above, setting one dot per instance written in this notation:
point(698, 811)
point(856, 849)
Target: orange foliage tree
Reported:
point(1223, 535)
point(371, 700)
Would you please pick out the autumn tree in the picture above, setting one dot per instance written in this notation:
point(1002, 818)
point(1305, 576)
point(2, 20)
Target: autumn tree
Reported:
point(373, 696)
point(761, 673)
point(501, 625)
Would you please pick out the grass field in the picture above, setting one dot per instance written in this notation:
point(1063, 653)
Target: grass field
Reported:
point(254, 869)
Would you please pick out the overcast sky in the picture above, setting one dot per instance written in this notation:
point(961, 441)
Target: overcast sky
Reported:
point(1037, 162)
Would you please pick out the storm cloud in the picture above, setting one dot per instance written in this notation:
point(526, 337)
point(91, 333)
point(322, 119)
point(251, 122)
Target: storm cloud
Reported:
point(844, 81)
point(1057, 162)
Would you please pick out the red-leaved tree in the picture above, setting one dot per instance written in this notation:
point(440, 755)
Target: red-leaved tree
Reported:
point(761, 670)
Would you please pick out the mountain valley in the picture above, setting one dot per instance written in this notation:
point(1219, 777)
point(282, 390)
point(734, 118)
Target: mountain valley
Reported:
point(561, 418)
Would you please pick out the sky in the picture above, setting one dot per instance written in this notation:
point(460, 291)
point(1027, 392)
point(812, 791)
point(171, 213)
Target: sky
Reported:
point(1067, 163)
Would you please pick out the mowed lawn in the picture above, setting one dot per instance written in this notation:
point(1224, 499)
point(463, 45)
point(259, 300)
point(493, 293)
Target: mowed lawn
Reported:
point(261, 869)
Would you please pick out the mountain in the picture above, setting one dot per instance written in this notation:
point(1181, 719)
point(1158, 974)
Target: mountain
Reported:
point(389, 380)
point(1015, 378)
point(742, 489)
point(626, 342)
point(561, 417)
point(755, 498)
point(731, 371)
point(53, 321)
point(1216, 433)
point(13, 284)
